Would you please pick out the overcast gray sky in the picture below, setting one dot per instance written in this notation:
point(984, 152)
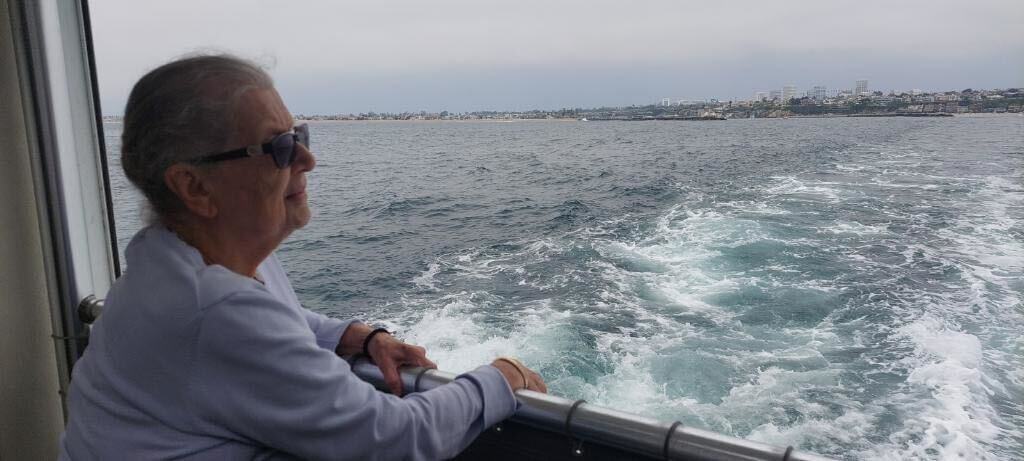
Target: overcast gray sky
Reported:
point(459, 55)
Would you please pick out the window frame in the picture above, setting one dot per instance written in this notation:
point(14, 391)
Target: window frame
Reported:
point(57, 76)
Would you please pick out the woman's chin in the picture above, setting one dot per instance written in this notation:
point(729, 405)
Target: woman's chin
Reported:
point(298, 214)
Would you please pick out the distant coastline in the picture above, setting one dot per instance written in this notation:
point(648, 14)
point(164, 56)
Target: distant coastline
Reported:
point(118, 119)
point(873, 104)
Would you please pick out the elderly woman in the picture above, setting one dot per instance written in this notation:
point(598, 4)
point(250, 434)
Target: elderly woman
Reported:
point(203, 350)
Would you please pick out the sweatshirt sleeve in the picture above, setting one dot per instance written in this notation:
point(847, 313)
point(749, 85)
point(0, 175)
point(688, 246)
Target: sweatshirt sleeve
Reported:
point(328, 330)
point(260, 374)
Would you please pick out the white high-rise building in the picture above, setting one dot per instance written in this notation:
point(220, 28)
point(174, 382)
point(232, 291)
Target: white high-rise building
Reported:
point(760, 96)
point(666, 102)
point(775, 95)
point(818, 93)
point(862, 87)
point(788, 92)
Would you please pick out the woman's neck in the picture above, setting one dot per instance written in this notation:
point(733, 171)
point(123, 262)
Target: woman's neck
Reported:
point(220, 246)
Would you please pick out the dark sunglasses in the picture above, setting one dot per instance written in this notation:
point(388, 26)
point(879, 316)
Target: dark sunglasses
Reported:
point(282, 147)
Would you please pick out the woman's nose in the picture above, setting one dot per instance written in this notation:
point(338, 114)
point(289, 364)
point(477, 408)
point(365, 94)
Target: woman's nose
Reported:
point(304, 159)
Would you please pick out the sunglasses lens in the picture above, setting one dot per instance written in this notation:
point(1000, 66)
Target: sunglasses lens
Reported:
point(284, 150)
point(284, 145)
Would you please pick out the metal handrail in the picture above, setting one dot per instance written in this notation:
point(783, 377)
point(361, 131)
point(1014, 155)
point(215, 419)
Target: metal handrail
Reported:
point(578, 419)
point(605, 426)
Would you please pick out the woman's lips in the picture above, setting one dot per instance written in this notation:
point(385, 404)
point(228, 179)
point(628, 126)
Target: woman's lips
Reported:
point(300, 193)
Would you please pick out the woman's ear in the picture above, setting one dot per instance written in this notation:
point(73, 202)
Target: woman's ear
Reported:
point(192, 186)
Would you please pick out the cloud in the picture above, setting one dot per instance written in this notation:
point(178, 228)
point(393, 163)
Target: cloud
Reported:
point(365, 43)
point(553, 87)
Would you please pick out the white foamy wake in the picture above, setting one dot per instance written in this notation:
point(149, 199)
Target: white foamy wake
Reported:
point(944, 405)
point(460, 335)
point(855, 228)
point(964, 352)
point(948, 412)
point(426, 279)
point(941, 357)
point(802, 189)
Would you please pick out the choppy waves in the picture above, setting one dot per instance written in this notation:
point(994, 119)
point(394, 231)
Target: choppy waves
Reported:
point(868, 311)
point(851, 287)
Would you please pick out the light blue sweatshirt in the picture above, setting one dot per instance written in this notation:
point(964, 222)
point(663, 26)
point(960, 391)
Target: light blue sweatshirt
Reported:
point(198, 362)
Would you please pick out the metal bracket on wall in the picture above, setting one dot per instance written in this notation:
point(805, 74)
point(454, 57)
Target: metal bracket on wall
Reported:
point(577, 443)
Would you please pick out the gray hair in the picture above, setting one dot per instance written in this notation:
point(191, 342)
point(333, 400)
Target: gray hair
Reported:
point(178, 112)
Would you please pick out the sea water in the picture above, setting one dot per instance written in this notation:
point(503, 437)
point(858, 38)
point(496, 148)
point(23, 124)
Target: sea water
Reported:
point(848, 286)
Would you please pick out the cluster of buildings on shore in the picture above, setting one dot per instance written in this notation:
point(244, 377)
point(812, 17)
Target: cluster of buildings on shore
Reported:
point(817, 93)
point(860, 100)
point(818, 101)
point(787, 101)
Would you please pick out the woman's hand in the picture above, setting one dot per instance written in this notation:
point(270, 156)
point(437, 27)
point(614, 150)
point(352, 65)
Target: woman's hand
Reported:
point(519, 376)
point(389, 354)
